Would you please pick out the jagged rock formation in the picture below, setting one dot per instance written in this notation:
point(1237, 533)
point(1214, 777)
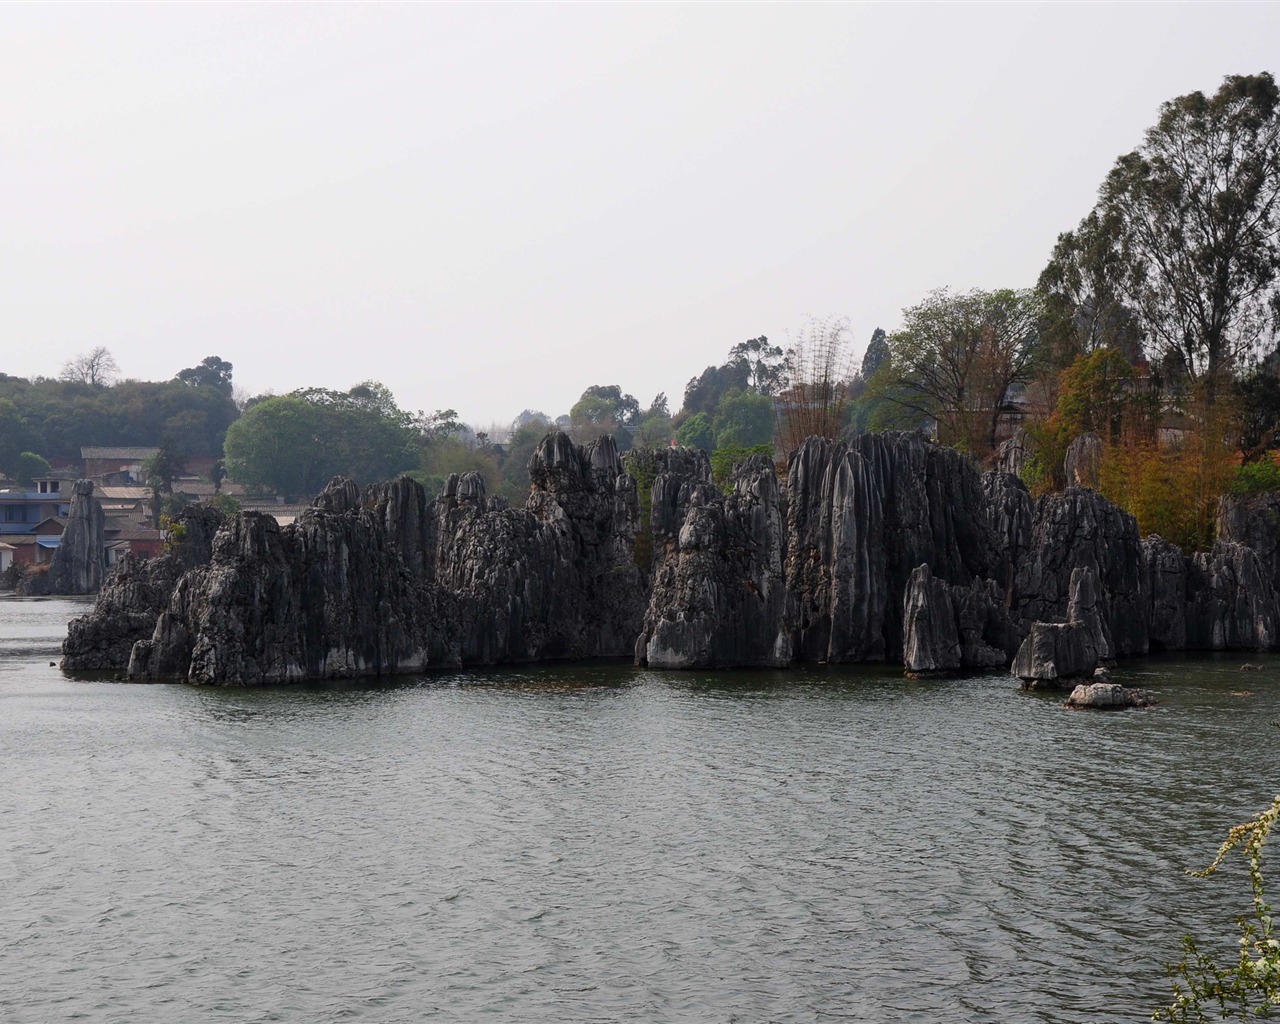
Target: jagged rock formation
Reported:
point(860, 517)
point(1222, 599)
point(1012, 455)
point(318, 599)
point(1254, 521)
point(1079, 528)
point(1009, 511)
point(719, 593)
point(135, 594)
point(931, 639)
point(1166, 567)
point(383, 581)
point(1054, 651)
point(1083, 462)
point(77, 566)
point(946, 627)
point(1231, 603)
point(887, 546)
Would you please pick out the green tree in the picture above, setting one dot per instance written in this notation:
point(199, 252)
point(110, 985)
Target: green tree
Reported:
point(1081, 287)
point(656, 429)
point(956, 357)
point(744, 419)
point(763, 365)
point(13, 437)
point(32, 467)
point(212, 372)
point(877, 353)
point(527, 433)
point(724, 459)
point(63, 416)
point(1096, 390)
point(454, 455)
point(697, 432)
point(1197, 209)
point(1257, 405)
point(360, 434)
point(159, 470)
point(604, 409)
point(272, 446)
point(703, 393)
point(224, 503)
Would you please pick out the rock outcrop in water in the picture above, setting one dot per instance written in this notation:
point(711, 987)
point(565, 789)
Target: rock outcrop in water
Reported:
point(719, 595)
point(135, 594)
point(1079, 528)
point(77, 566)
point(1057, 651)
point(1254, 521)
point(385, 581)
point(860, 518)
point(885, 547)
point(1231, 604)
point(1109, 696)
point(1166, 568)
point(947, 628)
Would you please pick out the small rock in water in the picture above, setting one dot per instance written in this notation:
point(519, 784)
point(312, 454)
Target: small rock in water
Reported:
point(1248, 667)
point(1109, 696)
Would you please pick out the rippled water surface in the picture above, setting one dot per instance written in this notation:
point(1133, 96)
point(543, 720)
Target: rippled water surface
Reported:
point(599, 843)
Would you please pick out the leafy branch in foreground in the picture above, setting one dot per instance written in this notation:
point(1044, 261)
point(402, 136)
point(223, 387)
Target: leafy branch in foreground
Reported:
point(1252, 984)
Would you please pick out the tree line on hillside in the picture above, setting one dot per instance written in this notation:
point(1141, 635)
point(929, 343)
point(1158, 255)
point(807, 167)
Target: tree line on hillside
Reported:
point(53, 418)
point(1154, 325)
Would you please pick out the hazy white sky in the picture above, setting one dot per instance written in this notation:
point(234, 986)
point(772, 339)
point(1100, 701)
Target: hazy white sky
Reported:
point(491, 207)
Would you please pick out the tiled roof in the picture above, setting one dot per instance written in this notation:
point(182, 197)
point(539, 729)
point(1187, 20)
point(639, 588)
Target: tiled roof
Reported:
point(123, 528)
point(122, 492)
point(117, 453)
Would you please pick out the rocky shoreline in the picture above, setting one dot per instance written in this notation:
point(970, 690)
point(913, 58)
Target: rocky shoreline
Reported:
point(887, 547)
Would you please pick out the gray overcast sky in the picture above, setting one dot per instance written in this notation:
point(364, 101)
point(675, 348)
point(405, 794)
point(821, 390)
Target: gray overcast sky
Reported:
point(491, 207)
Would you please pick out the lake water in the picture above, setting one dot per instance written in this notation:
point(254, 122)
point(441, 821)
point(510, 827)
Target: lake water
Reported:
point(599, 843)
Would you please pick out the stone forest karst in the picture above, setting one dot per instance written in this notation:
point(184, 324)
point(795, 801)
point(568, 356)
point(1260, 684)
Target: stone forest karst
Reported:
point(889, 547)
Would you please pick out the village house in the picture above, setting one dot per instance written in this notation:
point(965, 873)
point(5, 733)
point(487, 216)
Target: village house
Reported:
point(32, 523)
point(29, 521)
point(115, 465)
